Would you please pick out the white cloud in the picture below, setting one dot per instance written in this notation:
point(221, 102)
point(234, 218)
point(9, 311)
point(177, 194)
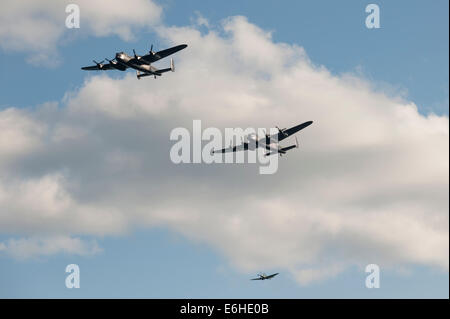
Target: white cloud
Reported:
point(200, 20)
point(369, 183)
point(38, 27)
point(20, 135)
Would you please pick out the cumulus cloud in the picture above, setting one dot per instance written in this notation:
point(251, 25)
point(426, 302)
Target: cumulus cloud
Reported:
point(369, 183)
point(37, 27)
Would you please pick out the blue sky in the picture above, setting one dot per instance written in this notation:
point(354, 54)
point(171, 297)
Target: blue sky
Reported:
point(408, 54)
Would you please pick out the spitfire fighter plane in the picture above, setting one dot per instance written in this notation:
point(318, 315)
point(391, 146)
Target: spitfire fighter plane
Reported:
point(268, 142)
point(141, 63)
point(263, 276)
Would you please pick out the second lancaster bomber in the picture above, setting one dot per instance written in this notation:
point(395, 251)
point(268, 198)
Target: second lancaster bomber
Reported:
point(141, 63)
point(268, 142)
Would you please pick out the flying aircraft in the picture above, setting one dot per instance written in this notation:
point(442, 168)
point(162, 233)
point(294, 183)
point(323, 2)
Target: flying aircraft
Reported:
point(141, 63)
point(268, 142)
point(263, 276)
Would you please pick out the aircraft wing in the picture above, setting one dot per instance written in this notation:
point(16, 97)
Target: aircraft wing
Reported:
point(286, 133)
point(271, 276)
point(231, 149)
point(152, 57)
point(98, 67)
point(256, 278)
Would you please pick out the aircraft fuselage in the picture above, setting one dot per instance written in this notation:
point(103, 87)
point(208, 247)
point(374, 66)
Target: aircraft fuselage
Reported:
point(254, 142)
point(139, 64)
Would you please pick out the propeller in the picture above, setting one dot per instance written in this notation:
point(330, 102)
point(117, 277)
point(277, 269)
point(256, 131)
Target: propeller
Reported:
point(137, 57)
point(151, 49)
point(281, 131)
point(267, 137)
point(111, 61)
point(99, 64)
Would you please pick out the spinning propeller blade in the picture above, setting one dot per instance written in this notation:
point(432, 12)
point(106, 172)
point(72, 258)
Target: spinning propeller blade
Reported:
point(137, 57)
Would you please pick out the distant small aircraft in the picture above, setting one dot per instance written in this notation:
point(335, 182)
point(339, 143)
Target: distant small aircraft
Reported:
point(263, 276)
point(141, 63)
point(268, 142)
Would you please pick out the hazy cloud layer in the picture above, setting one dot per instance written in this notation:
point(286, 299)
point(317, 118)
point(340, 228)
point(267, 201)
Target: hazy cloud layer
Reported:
point(36, 247)
point(369, 183)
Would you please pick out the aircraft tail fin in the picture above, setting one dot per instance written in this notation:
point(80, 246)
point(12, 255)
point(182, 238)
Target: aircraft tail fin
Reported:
point(172, 68)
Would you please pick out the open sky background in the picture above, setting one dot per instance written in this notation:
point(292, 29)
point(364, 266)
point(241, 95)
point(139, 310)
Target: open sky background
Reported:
point(406, 59)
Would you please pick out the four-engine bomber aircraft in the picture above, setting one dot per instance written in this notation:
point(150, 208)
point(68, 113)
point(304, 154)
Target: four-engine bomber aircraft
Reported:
point(268, 142)
point(263, 276)
point(141, 63)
